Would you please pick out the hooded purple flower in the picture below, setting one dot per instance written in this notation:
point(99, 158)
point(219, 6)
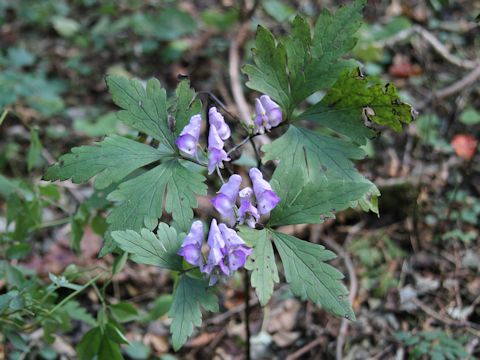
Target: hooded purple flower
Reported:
point(274, 113)
point(228, 252)
point(237, 251)
point(216, 154)
point(216, 119)
point(192, 245)
point(217, 244)
point(224, 202)
point(187, 142)
point(266, 197)
point(247, 213)
point(267, 114)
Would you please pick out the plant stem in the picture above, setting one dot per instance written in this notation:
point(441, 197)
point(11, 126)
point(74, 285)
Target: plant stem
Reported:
point(257, 154)
point(247, 315)
point(244, 141)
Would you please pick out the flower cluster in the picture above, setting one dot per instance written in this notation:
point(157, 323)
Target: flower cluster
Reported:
point(267, 115)
point(227, 251)
point(225, 201)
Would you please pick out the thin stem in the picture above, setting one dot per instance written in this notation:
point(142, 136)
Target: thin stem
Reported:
point(53, 223)
point(3, 116)
point(257, 154)
point(247, 315)
point(244, 141)
point(220, 103)
point(72, 295)
point(219, 174)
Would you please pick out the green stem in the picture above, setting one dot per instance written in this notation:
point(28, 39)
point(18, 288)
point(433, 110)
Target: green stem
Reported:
point(72, 295)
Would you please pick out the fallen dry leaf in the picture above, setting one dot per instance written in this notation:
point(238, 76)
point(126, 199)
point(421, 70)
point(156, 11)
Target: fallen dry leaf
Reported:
point(464, 145)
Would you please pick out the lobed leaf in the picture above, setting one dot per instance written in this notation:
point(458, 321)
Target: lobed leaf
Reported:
point(147, 248)
point(110, 161)
point(319, 157)
point(315, 177)
point(261, 263)
point(185, 105)
point(140, 201)
point(310, 277)
point(353, 98)
point(144, 109)
point(185, 311)
point(310, 203)
point(292, 69)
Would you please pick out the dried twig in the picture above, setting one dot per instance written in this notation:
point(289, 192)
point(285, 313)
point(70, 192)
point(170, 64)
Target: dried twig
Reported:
point(314, 236)
point(342, 333)
point(434, 42)
point(468, 325)
point(311, 345)
point(234, 71)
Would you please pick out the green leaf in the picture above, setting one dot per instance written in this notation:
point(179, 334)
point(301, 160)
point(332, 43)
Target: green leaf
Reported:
point(185, 311)
point(90, 344)
point(109, 350)
point(160, 307)
point(261, 263)
point(315, 177)
point(124, 312)
point(185, 106)
point(114, 334)
point(140, 200)
point(75, 311)
point(291, 70)
point(311, 203)
point(110, 160)
point(470, 116)
point(144, 109)
point(269, 74)
point(138, 350)
point(310, 277)
point(77, 224)
point(353, 98)
point(35, 150)
point(148, 248)
point(318, 157)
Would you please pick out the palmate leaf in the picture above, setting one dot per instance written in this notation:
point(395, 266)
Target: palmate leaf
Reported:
point(140, 201)
point(310, 202)
point(261, 262)
point(185, 105)
point(310, 277)
point(315, 176)
point(353, 97)
point(147, 248)
point(318, 157)
point(110, 161)
point(185, 311)
point(291, 69)
point(144, 109)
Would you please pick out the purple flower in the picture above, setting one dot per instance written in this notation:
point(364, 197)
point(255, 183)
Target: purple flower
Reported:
point(247, 213)
point(224, 202)
point(228, 252)
point(216, 119)
point(192, 245)
point(187, 142)
point(267, 114)
point(216, 243)
point(237, 251)
point(216, 154)
point(266, 197)
point(274, 113)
